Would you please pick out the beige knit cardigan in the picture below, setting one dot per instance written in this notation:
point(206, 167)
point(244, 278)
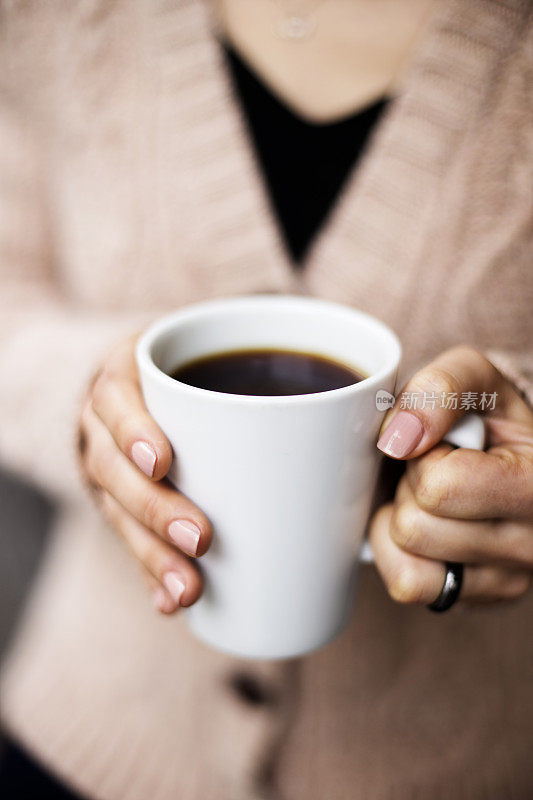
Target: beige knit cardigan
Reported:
point(129, 186)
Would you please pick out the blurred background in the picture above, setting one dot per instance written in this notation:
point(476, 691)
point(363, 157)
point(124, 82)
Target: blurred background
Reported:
point(25, 517)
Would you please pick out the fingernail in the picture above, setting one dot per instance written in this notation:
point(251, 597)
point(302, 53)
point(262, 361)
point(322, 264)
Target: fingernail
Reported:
point(160, 599)
point(145, 457)
point(175, 585)
point(185, 534)
point(402, 435)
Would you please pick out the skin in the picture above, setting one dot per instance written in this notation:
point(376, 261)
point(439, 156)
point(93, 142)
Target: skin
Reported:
point(461, 505)
point(452, 505)
point(359, 51)
point(476, 508)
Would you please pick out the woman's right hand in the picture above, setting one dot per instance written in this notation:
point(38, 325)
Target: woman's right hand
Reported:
point(125, 457)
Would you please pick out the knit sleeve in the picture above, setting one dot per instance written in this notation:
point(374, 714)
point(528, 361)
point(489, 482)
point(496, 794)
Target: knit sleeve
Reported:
point(48, 347)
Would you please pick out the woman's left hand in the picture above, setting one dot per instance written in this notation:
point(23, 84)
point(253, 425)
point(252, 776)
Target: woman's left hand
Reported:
point(458, 505)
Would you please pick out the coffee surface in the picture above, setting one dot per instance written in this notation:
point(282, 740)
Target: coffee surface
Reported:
point(266, 372)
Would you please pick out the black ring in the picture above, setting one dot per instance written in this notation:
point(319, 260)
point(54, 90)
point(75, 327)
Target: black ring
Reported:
point(451, 588)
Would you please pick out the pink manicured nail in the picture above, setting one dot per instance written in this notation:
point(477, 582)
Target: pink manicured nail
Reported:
point(145, 457)
point(160, 599)
point(401, 436)
point(175, 585)
point(185, 534)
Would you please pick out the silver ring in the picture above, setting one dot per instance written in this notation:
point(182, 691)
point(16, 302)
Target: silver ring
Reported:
point(451, 588)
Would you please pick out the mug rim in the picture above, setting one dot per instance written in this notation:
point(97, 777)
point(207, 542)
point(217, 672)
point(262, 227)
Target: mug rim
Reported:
point(161, 326)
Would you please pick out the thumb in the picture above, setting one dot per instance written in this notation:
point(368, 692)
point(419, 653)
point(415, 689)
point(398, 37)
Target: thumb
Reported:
point(459, 380)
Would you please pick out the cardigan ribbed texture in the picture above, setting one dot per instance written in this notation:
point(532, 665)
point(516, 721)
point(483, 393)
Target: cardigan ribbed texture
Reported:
point(128, 187)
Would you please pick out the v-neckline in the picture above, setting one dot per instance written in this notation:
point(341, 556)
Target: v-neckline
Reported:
point(418, 131)
point(304, 164)
point(253, 172)
point(358, 174)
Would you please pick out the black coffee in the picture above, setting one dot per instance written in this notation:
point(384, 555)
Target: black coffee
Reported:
point(266, 372)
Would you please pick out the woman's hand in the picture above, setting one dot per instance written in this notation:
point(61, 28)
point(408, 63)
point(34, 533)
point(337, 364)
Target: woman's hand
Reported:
point(124, 457)
point(458, 505)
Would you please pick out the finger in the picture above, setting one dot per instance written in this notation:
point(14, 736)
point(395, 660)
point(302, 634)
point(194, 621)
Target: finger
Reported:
point(161, 599)
point(157, 506)
point(492, 584)
point(467, 484)
point(117, 400)
point(173, 571)
point(409, 433)
point(466, 541)
point(501, 431)
point(412, 579)
point(82, 452)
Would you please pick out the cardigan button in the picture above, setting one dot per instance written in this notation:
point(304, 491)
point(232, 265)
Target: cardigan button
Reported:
point(251, 690)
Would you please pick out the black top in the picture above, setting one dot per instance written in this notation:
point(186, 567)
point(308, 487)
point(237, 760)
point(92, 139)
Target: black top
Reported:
point(304, 164)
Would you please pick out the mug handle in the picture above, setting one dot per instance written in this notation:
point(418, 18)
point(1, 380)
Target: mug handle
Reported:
point(468, 432)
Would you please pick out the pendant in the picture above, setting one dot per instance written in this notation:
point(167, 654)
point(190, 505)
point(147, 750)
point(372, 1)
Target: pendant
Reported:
point(296, 27)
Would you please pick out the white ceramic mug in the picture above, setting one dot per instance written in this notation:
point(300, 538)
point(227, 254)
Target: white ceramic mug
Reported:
point(287, 482)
